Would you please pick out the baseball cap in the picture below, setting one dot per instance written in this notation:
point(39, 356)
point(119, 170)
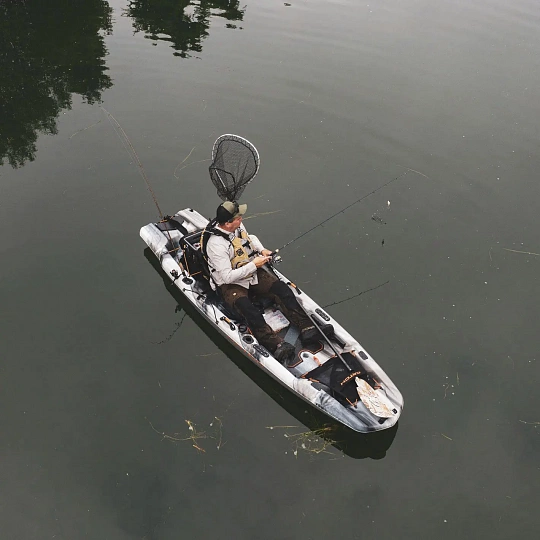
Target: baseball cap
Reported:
point(228, 210)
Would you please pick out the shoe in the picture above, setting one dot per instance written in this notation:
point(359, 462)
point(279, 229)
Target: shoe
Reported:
point(284, 353)
point(311, 334)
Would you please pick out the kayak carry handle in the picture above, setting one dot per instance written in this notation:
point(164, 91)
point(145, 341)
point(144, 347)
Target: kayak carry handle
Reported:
point(229, 322)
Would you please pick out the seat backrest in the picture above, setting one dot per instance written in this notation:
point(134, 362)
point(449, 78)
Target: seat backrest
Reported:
point(193, 258)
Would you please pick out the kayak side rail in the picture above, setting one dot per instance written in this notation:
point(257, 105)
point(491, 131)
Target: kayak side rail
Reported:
point(350, 344)
point(358, 417)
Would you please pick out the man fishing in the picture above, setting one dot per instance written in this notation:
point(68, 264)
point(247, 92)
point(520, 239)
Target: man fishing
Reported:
point(237, 266)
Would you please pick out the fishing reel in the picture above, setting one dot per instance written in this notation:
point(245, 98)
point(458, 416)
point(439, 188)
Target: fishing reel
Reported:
point(276, 258)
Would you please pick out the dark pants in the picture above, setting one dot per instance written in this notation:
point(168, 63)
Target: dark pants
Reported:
point(269, 286)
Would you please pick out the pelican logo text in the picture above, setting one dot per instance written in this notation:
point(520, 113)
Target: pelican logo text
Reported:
point(348, 378)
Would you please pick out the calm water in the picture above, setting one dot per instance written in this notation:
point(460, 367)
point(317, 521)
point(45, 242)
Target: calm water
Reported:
point(339, 97)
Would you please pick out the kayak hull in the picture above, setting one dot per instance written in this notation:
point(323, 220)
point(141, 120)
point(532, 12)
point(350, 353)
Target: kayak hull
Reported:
point(375, 406)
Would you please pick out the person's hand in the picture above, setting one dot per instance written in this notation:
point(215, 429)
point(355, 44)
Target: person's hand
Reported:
point(260, 261)
point(266, 253)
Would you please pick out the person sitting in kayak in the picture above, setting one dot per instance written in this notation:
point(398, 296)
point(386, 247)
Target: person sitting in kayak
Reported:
point(236, 262)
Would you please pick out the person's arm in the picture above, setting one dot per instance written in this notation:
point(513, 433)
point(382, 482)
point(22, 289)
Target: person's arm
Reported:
point(218, 257)
point(256, 243)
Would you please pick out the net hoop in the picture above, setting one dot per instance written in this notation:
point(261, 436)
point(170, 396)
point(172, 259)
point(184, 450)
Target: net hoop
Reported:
point(235, 162)
point(237, 138)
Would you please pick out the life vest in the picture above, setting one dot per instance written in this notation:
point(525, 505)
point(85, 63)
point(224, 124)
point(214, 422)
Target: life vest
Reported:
point(243, 251)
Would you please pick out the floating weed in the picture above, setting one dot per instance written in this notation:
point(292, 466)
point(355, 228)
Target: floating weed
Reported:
point(194, 435)
point(524, 252)
point(188, 165)
point(220, 424)
point(314, 442)
point(446, 389)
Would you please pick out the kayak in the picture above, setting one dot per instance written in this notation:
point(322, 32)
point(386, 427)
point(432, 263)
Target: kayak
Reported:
point(335, 374)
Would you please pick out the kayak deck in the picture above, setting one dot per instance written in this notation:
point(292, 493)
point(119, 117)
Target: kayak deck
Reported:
point(336, 375)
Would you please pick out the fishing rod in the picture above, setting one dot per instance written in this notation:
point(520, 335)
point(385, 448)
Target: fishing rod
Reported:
point(327, 339)
point(126, 143)
point(269, 268)
point(343, 210)
point(130, 149)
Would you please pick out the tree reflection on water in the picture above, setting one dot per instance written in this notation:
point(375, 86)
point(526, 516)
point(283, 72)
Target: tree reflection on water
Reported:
point(48, 52)
point(183, 23)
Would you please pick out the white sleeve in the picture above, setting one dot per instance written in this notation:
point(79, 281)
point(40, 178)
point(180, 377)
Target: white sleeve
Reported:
point(255, 242)
point(218, 258)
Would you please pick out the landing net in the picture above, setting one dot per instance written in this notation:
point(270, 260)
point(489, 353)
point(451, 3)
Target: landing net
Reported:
point(235, 162)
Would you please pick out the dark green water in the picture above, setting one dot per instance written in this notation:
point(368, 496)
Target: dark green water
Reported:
point(339, 98)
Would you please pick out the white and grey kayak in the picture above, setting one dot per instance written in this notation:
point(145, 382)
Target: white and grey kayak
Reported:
point(335, 375)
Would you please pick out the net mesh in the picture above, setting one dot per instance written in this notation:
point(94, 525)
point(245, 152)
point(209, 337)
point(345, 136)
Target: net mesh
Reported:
point(235, 162)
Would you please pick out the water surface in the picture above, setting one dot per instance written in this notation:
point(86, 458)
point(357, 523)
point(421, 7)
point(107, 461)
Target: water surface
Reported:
point(339, 98)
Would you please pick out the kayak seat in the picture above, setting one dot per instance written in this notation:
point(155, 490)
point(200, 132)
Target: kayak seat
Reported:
point(193, 260)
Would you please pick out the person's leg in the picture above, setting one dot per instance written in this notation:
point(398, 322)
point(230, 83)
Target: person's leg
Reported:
point(270, 285)
point(237, 297)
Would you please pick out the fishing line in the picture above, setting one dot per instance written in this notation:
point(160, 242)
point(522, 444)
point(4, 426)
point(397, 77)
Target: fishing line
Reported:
point(355, 295)
point(343, 210)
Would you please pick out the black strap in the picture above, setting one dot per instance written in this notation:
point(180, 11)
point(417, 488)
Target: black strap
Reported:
point(171, 224)
point(205, 235)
